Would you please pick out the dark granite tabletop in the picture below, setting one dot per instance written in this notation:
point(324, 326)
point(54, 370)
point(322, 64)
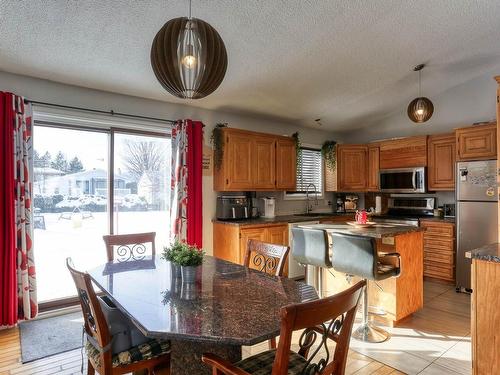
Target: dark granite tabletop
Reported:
point(489, 253)
point(228, 303)
point(379, 230)
point(283, 219)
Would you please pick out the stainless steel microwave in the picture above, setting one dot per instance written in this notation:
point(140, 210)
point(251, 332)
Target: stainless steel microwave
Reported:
point(402, 180)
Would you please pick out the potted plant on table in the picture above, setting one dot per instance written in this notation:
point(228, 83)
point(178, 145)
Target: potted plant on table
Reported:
point(187, 257)
point(169, 255)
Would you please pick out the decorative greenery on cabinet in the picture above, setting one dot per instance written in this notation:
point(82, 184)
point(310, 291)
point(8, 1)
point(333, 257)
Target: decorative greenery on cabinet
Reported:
point(329, 154)
point(217, 141)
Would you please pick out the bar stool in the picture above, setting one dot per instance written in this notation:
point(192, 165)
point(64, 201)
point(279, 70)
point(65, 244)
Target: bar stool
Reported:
point(311, 247)
point(358, 256)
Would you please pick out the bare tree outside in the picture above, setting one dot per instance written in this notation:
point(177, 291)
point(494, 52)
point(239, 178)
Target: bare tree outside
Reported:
point(142, 156)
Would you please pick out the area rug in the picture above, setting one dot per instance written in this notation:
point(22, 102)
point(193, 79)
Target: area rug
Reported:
point(46, 337)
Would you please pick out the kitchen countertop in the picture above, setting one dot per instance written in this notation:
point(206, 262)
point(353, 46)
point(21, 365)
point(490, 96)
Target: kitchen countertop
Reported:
point(377, 231)
point(439, 219)
point(283, 219)
point(489, 253)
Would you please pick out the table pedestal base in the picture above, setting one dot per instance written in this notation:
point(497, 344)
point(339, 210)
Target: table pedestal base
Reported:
point(185, 357)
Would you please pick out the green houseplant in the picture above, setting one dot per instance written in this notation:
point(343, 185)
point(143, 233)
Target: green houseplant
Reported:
point(187, 257)
point(169, 254)
point(298, 151)
point(329, 155)
point(217, 141)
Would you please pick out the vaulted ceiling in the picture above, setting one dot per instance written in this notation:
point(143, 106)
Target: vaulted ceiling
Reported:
point(346, 62)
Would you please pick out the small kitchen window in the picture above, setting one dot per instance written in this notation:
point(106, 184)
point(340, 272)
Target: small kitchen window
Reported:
point(309, 171)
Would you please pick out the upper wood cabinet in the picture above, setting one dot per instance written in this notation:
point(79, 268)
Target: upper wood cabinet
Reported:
point(372, 183)
point(264, 159)
point(441, 162)
point(477, 142)
point(350, 173)
point(404, 152)
point(352, 167)
point(255, 161)
point(237, 162)
point(286, 164)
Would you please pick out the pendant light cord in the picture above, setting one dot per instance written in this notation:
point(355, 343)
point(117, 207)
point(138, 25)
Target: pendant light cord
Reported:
point(189, 9)
point(419, 82)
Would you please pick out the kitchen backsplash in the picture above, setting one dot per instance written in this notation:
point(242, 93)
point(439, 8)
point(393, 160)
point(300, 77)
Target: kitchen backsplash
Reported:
point(289, 206)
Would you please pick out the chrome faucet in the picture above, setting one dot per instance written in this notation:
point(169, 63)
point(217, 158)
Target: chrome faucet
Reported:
point(309, 206)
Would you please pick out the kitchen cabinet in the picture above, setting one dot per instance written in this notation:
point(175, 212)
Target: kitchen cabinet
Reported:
point(441, 162)
point(485, 317)
point(237, 162)
point(350, 173)
point(372, 183)
point(264, 159)
point(352, 160)
point(230, 240)
point(255, 161)
point(439, 249)
point(286, 164)
point(403, 153)
point(477, 142)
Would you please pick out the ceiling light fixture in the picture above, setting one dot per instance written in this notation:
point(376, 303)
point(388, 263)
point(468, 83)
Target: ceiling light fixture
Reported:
point(188, 57)
point(420, 109)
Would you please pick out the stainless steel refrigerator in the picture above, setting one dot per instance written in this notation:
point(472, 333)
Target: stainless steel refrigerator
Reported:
point(477, 213)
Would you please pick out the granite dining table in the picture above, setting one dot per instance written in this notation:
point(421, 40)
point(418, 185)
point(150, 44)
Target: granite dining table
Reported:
point(227, 307)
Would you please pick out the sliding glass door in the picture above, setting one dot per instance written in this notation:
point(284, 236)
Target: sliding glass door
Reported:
point(76, 201)
point(142, 184)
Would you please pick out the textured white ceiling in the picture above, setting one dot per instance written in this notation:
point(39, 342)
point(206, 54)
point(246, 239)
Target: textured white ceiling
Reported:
point(347, 62)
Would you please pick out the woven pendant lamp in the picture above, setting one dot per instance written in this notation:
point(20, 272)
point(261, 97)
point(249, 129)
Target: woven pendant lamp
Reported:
point(420, 109)
point(188, 57)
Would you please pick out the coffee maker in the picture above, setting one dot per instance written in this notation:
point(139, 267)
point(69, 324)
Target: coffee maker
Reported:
point(351, 203)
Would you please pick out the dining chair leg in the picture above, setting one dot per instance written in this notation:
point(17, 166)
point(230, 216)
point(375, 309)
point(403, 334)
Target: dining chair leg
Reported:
point(90, 368)
point(272, 343)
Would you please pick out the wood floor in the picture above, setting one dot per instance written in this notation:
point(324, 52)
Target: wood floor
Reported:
point(70, 362)
point(444, 312)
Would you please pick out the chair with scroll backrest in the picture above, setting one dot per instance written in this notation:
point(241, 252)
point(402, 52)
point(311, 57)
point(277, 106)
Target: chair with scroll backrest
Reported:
point(147, 356)
point(129, 246)
point(326, 319)
point(266, 257)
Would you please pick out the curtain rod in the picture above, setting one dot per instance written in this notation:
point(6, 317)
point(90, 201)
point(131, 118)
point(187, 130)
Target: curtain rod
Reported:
point(111, 112)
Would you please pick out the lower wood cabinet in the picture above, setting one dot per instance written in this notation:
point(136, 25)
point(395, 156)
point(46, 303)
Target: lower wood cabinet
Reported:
point(485, 317)
point(230, 240)
point(439, 250)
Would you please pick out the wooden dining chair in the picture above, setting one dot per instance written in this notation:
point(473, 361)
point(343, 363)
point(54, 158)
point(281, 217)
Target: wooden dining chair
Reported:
point(147, 356)
point(129, 246)
point(266, 257)
point(326, 319)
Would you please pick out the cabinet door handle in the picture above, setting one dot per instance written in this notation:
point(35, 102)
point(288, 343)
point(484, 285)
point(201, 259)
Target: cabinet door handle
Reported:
point(227, 181)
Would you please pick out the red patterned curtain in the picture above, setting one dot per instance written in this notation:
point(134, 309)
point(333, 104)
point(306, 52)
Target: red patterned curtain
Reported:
point(186, 182)
point(17, 271)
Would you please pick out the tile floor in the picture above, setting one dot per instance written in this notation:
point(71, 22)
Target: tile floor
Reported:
point(435, 340)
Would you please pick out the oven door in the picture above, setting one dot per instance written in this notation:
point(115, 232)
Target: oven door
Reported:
point(403, 180)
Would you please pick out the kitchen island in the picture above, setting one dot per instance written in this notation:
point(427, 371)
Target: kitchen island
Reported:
point(485, 316)
point(399, 297)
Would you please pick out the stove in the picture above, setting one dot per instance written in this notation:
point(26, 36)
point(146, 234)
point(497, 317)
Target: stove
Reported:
point(407, 210)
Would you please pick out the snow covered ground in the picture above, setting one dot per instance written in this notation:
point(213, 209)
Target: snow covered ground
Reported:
point(82, 241)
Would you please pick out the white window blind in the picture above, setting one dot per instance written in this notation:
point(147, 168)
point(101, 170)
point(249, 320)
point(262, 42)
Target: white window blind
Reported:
point(309, 171)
